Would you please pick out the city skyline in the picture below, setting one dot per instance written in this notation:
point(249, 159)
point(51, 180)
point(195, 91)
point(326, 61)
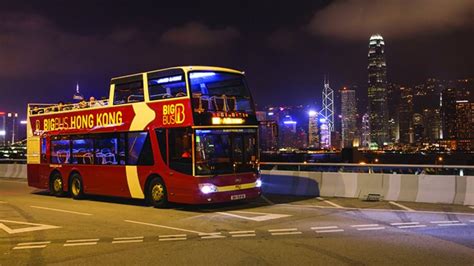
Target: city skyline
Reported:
point(299, 44)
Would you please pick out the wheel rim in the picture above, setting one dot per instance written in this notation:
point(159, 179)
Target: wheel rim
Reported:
point(57, 184)
point(76, 187)
point(157, 192)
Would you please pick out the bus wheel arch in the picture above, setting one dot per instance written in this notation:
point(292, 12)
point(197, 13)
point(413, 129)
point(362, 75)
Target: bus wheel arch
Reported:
point(76, 185)
point(56, 186)
point(156, 193)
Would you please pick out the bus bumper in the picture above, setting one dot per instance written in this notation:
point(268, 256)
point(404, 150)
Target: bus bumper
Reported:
point(228, 196)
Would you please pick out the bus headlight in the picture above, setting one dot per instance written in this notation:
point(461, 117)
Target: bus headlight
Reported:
point(207, 188)
point(258, 183)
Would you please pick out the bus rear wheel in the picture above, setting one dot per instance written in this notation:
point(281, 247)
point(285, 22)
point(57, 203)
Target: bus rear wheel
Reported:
point(156, 193)
point(76, 187)
point(56, 185)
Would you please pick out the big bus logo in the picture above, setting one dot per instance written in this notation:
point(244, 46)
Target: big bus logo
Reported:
point(173, 114)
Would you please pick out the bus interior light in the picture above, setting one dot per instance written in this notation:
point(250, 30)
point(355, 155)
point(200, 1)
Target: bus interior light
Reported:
point(226, 120)
point(196, 75)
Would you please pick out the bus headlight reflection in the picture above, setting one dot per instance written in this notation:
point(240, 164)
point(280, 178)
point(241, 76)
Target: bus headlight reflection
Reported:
point(258, 183)
point(207, 188)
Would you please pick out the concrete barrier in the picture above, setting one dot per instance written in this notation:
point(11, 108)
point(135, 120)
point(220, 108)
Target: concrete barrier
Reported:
point(436, 188)
point(291, 182)
point(13, 170)
point(415, 188)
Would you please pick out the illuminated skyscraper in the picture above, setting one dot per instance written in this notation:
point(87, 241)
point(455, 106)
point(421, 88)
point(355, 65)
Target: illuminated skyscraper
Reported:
point(465, 125)
point(365, 134)
point(8, 128)
point(349, 117)
point(328, 105)
point(325, 134)
point(377, 91)
point(405, 113)
point(313, 132)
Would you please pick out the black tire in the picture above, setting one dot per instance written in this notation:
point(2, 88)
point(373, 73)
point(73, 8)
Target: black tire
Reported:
point(156, 194)
point(76, 187)
point(56, 185)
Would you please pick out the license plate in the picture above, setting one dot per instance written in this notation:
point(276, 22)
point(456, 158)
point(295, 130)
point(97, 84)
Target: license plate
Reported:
point(237, 197)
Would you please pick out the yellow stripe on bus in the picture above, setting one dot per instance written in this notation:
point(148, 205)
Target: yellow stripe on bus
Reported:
point(133, 183)
point(236, 187)
point(143, 116)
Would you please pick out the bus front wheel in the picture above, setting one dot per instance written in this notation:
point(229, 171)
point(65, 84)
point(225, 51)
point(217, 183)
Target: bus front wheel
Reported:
point(156, 193)
point(76, 187)
point(56, 185)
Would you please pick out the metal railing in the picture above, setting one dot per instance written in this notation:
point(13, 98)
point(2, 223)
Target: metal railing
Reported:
point(429, 169)
point(12, 161)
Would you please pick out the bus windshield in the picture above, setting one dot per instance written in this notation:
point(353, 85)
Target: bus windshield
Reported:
point(221, 91)
point(225, 151)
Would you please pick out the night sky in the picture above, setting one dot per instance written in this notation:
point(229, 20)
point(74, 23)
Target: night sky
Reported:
point(285, 47)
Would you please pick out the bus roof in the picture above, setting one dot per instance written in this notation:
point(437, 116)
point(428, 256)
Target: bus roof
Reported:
point(186, 69)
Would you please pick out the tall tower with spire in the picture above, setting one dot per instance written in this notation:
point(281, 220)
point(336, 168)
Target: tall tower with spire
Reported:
point(328, 105)
point(377, 92)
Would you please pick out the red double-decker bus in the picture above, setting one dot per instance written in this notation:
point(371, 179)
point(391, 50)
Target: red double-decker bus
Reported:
point(181, 134)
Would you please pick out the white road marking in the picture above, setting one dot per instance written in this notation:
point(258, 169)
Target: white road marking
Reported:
point(323, 227)
point(33, 243)
point(401, 206)
point(472, 207)
point(472, 221)
point(2, 202)
point(412, 226)
point(371, 210)
point(59, 210)
point(407, 223)
point(444, 222)
point(451, 224)
point(35, 227)
point(210, 234)
point(80, 244)
point(286, 233)
point(282, 230)
point(262, 217)
point(172, 239)
point(29, 247)
point(330, 203)
point(82, 240)
point(167, 227)
point(242, 232)
point(330, 231)
point(212, 237)
point(371, 228)
point(364, 225)
point(128, 238)
point(127, 241)
point(243, 235)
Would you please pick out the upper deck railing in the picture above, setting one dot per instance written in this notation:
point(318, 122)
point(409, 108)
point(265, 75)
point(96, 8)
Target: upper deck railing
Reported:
point(44, 108)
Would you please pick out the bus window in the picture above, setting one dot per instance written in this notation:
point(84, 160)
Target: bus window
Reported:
point(82, 151)
point(161, 136)
point(180, 150)
point(109, 149)
point(167, 87)
point(130, 92)
point(44, 158)
point(60, 150)
point(139, 149)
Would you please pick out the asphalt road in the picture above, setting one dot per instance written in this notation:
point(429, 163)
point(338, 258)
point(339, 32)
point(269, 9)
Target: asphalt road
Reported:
point(39, 229)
